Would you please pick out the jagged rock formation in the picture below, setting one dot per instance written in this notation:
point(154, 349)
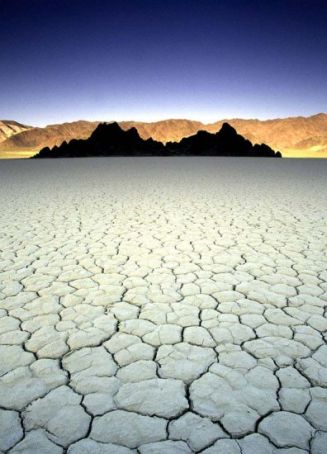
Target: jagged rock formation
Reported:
point(111, 140)
point(225, 142)
point(293, 136)
point(108, 139)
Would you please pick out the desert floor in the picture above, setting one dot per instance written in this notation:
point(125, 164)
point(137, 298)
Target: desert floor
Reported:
point(163, 305)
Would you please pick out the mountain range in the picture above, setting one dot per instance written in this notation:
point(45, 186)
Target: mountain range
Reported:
point(293, 136)
point(109, 139)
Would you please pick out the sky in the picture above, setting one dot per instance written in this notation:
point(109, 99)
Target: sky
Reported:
point(145, 60)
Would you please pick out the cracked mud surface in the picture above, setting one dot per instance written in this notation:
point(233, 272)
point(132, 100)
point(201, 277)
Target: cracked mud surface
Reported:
point(163, 306)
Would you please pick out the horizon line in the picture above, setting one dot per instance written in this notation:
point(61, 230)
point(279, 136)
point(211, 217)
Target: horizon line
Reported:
point(167, 119)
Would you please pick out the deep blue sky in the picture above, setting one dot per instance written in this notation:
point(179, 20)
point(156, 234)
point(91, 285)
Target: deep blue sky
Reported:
point(150, 59)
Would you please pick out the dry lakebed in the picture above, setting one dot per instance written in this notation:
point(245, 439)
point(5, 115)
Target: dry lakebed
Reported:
point(163, 305)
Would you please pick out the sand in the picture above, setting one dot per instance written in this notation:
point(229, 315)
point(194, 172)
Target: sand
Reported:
point(163, 305)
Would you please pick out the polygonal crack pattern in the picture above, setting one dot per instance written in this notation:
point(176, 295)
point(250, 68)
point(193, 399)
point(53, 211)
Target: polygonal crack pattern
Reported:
point(163, 306)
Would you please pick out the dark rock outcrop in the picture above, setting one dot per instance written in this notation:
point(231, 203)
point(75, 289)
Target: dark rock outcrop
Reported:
point(225, 142)
point(108, 139)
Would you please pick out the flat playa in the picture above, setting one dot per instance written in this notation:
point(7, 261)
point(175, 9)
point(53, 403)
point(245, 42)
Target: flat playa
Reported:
point(163, 305)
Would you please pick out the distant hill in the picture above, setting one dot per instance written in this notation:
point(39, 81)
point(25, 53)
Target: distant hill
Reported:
point(32, 140)
point(294, 136)
point(109, 139)
point(165, 130)
point(9, 128)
